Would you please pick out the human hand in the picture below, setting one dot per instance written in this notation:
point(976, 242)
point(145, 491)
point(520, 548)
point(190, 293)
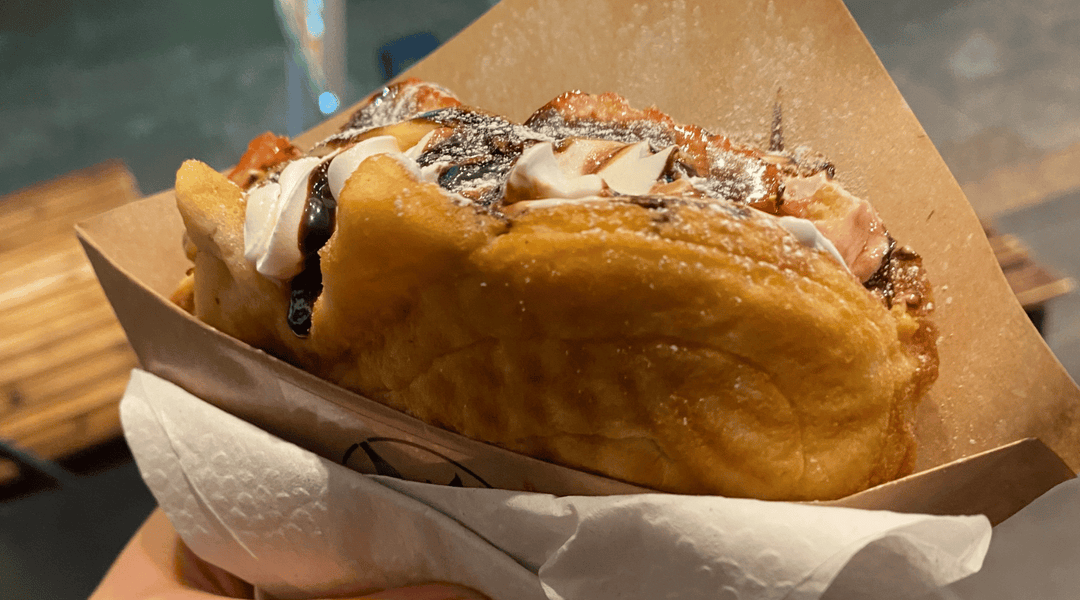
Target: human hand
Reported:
point(157, 565)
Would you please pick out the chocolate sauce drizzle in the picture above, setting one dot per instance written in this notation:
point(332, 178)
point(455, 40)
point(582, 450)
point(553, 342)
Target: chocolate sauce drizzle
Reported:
point(320, 212)
point(677, 168)
point(477, 153)
point(550, 122)
point(316, 227)
point(305, 290)
point(476, 158)
point(392, 104)
point(776, 135)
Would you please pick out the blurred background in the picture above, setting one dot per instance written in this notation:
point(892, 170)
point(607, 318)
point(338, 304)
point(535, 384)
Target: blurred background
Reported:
point(110, 96)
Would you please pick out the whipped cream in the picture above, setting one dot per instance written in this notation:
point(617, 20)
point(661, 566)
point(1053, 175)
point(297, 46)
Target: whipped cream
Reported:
point(537, 174)
point(344, 164)
point(272, 220)
point(849, 222)
point(810, 236)
point(541, 178)
point(275, 208)
point(540, 173)
point(634, 170)
point(581, 171)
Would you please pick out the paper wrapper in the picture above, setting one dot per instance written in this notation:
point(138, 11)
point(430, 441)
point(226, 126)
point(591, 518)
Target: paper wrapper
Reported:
point(1001, 425)
point(298, 526)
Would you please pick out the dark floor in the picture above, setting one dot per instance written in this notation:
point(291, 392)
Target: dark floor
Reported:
point(58, 539)
point(180, 79)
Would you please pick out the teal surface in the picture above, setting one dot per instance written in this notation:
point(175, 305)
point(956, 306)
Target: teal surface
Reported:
point(155, 83)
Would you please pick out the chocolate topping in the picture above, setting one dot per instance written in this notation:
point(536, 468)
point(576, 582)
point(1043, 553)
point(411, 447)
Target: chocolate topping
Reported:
point(901, 279)
point(474, 152)
point(320, 211)
point(551, 123)
point(316, 227)
point(392, 104)
point(476, 158)
point(776, 135)
point(677, 167)
point(305, 290)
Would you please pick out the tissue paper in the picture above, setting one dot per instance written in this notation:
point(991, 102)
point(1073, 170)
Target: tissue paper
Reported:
point(300, 526)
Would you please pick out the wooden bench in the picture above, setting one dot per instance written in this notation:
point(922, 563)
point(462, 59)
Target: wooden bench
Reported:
point(64, 360)
point(1033, 284)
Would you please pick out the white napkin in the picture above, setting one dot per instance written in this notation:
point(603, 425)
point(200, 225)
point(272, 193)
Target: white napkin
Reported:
point(297, 525)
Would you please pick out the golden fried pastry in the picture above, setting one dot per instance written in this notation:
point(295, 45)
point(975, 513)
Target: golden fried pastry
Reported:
point(598, 287)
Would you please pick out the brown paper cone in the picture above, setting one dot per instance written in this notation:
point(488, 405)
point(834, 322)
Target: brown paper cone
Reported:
point(721, 65)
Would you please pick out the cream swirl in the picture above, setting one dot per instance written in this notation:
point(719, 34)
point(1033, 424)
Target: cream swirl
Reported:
point(580, 170)
point(272, 220)
point(576, 174)
point(275, 208)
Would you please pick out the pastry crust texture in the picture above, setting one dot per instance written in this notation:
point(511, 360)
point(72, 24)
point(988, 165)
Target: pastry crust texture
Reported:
point(681, 342)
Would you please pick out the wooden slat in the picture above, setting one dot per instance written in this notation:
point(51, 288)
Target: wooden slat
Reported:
point(1025, 184)
point(53, 387)
point(39, 311)
point(48, 256)
point(64, 360)
point(25, 300)
point(8, 470)
point(1033, 284)
point(36, 340)
point(1010, 251)
point(53, 207)
point(98, 343)
point(32, 427)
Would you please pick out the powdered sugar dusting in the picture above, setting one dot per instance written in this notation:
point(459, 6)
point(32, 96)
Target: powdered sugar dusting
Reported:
point(553, 125)
point(476, 152)
point(393, 104)
point(475, 159)
point(735, 177)
point(655, 34)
